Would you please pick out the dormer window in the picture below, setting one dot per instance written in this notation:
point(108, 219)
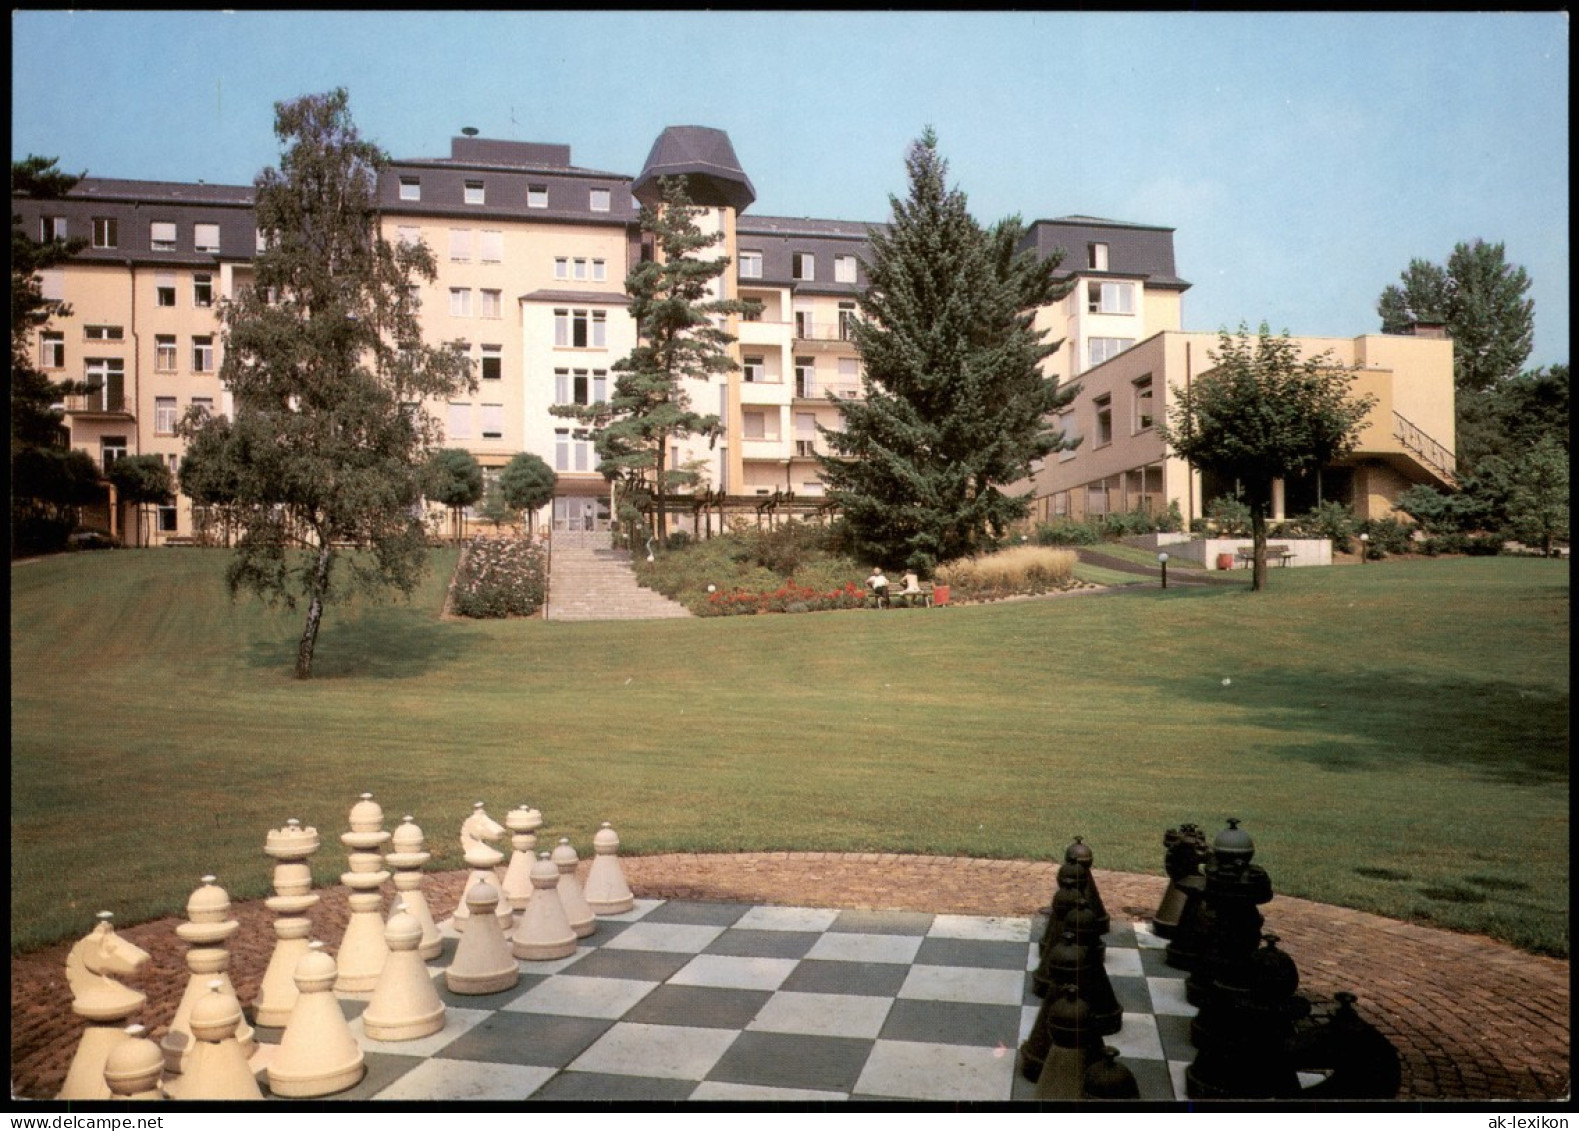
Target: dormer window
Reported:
point(474, 192)
point(537, 196)
point(410, 188)
point(1096, 256)
point(599, 200)
point(803, 265)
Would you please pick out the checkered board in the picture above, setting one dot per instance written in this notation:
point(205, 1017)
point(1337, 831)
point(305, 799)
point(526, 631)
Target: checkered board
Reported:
point(678, 1000)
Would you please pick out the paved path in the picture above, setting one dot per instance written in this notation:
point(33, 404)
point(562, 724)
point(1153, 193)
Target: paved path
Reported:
point(1472, 1019)
point(588, 580)
point(1179, 577)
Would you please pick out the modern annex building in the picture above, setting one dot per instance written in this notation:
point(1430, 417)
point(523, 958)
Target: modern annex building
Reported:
point(533, 252)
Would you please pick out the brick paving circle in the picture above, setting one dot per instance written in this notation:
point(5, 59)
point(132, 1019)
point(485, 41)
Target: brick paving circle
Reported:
point(1472, 1019)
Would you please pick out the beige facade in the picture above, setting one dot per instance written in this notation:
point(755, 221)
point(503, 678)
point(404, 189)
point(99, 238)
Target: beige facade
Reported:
point(1121, 463)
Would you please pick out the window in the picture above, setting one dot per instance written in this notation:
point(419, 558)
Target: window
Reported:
point(844, 268)
point(805, 377)
point(598, 200)
point(846, 320)
point(1096, 256)
point(1104, 407)
point(753, 425)
point(572, 451)
point(492, 363)
point(579, 269)
point(204, 405)
point(164, 289)
point(203, 354)
point(493, 422)
point(164, 416)
point(202, 289)
point(474, 192)
point(1103, 348)
point(106, 231)
point(460, 245)
point(1068, 426)
point(803, 265)
point(489, 304)
point(537, 196)
point(52, 349)
point(408, 235)
point(410, 188)
point(804, 326)
point(490, 247)
point(161, 236)
point(460, 302)
point(261, 240)
point(205, 237)
point(580, 329)
point(1143, 416)
point(755, 370)
point(580, 386)
point(104, 333)
point(562, 267)
point(600, 329)
point(106, 381)
point(805, 434)
point(460, 423)
point(52, 283)
point(164, 353)
point(111, 448)
point(1110, 298)
point(751, 265)
point(167, 524)
point(600, 271)
point(51, 228)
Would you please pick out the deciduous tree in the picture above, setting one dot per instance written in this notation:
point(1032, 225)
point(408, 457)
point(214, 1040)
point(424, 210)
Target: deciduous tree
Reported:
point(527, 484)
point(956, 407)
point(454, 479)
point(141, 482)
point(1264, 413)
point(329, 372)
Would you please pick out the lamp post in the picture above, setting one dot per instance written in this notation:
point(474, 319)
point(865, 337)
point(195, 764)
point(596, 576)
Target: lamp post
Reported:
point(1162, 560)
point(1365, 540)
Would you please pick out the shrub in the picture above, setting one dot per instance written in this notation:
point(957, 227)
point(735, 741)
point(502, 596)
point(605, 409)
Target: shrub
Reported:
point(1387, 536)
point(1330, 520)
point(500, 577)
point(1229, 516)
point(1023, 569)
point(1066, 532)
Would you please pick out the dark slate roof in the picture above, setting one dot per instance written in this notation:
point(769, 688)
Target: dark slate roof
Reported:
point(706, 158)
point(805, 226)
point(1136, 251)
point(136, 205)
point(175, 192)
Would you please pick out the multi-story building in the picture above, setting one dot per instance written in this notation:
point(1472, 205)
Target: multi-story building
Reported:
point(532, 255)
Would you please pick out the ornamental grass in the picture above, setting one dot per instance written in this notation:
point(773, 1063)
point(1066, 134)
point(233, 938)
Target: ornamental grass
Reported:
point(1019, 570)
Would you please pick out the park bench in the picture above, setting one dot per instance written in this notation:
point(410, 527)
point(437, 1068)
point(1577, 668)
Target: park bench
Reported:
point(1279, 555)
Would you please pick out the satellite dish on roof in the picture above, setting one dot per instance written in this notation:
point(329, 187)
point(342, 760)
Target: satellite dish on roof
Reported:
point(469, 131)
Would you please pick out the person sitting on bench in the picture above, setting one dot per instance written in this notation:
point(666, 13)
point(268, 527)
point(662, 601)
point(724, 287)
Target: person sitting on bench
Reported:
point(878, 584)
point(911, 587)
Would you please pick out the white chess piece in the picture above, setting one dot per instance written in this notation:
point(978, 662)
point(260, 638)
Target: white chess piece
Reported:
point(577, 913)
point(318, 1053)
point(217, 1068)
point(362, 947)
point(293, 897)
point(606, 891)
point(543, 932)
point(405, 1005)
point(483, 963)
point(104, 1002)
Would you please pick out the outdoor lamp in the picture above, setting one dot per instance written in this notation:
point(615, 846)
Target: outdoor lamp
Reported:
point(1162, 560)
point(1364, 545)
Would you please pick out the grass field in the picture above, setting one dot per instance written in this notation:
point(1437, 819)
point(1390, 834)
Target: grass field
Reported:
point(1394, 738)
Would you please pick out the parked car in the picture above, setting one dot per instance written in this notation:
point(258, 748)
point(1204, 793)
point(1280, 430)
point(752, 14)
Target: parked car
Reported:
point(91, 540)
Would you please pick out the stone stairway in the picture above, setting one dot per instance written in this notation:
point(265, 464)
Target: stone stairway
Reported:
point(590, 581)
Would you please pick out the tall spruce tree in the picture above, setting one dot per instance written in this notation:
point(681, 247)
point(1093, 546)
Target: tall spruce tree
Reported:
point(678, 339)
point(48, 481)
point(956, 407)
point(325, 359)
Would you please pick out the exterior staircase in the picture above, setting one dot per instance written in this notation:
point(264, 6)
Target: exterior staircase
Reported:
point(588, 580)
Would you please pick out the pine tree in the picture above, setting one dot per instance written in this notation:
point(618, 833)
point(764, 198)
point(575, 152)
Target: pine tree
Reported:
point(678, 339)
point(325, 360)
point(956, 407)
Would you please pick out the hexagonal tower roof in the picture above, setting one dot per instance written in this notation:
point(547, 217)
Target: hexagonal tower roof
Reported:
point(706, 158)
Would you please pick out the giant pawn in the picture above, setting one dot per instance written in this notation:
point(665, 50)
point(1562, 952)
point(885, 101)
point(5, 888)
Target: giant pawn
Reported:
point(362, 949)
point(103, 1002)
point(1070, 962)
point(544, 932)
point(133, 1068)
point(217, 1067)
point(483, 962)
point(405, 1005)
point(1079, 853)
point(606, 891)
point(410, 853)
point(577, 912)
point(318, 1053)
point(1074, 1048)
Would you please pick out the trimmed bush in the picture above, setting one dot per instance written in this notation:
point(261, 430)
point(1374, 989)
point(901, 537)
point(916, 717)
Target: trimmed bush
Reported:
point(499, 577)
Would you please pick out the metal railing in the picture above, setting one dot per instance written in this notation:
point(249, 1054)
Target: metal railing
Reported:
point(97, 400)
point(1433, 454)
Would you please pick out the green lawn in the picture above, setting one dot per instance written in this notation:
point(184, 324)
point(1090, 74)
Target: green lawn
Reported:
point(1394, 738)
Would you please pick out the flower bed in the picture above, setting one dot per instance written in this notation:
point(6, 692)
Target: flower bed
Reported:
point(788, 598)
point(499, 578)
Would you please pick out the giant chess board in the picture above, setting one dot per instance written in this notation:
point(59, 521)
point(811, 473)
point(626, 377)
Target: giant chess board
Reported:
point(678, 1000)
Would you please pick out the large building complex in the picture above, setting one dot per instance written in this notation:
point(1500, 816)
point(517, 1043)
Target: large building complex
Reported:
point(533, 252)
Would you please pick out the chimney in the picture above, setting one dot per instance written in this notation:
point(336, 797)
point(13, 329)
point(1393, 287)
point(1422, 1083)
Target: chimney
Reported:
point(1421, 329)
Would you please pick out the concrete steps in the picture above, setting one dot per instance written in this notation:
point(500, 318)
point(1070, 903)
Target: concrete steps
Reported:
point(589, 581)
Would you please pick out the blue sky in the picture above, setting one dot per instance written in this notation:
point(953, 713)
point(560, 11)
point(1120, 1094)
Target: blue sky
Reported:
point(1303, 159)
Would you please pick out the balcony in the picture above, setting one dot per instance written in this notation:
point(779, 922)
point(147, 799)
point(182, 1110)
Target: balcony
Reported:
point(98, 402)
point(805, 449)
point(819, 390)
point(811, 332)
